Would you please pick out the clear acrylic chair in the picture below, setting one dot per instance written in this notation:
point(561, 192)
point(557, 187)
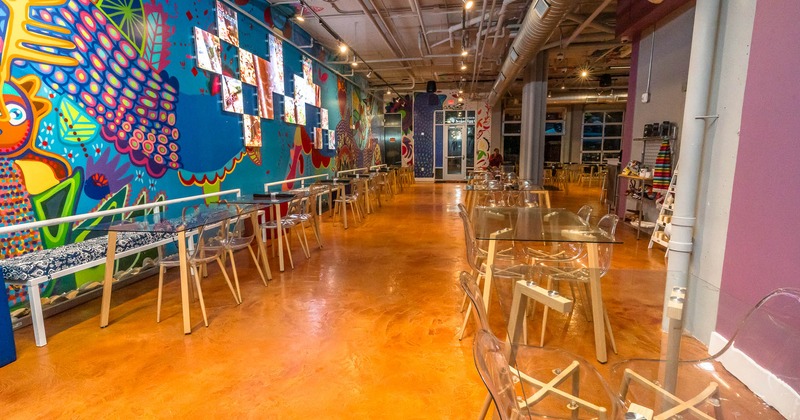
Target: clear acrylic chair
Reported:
point(476, 257)
point(763, 347)
point(197, 256)
point(541, 382)
point(585, 213)
point(353, 199)
point(232, 238)
point(288, 223)
point(307, 215)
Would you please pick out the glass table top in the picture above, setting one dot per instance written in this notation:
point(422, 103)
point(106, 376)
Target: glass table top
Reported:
point(263, 199)
point(174, 219)
point(534, 224)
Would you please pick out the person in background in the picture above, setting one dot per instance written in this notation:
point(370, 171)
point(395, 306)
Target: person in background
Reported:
point(495, 159)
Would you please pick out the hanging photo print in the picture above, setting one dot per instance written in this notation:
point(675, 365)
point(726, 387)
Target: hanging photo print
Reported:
point(323, 118)
point(227, 24)
point(308, 73)
point(276, 64)
point(265, 107)
point(232, 100)
point(332, 140)
point(317, 96)
point(318, 138)
point(207, 50)
point(252, 130)
point(300, 108)
point(288, 110)
point(247, 67)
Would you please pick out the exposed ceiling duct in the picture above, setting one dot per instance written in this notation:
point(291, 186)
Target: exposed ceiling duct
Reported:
point(542, 18)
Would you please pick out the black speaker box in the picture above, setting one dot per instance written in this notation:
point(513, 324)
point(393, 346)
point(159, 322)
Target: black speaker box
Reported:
point(431, 87)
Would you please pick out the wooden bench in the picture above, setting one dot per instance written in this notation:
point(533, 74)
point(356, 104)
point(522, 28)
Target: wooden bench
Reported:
point(37, 268)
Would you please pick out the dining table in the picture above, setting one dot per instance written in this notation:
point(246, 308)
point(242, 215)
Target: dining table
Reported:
point(273, 201)
point(544, 226)
point(178, 222)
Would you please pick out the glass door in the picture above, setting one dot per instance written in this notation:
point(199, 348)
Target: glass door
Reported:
point(455, 165)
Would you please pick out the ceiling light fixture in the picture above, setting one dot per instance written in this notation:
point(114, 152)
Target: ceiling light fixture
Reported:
point(563, 86)
point(369, 74)
point(354, 63)
point(388, 91)
point(463, 66)
point(468, 4)
point(584, 73)
point(342, 47)
point(299, 16)
point(460, 99)
point(464, 53)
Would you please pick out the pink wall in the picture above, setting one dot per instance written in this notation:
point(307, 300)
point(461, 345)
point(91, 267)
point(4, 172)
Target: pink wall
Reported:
point(763, 245)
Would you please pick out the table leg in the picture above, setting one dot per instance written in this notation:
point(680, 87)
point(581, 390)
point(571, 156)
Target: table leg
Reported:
point(184, 269)
point(519, 305)
point(279, 227)
point(262, 248)
point(597, 303)
point(343, 191)
point(105, 303)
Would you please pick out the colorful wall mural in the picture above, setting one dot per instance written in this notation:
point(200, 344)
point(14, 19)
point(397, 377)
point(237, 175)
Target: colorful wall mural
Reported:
point(109, 103)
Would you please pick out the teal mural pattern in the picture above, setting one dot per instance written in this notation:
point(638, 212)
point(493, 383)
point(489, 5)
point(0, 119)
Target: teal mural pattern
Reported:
point(103, 106)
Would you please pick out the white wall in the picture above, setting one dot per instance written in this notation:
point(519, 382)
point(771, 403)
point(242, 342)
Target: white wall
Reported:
point(670, 44)
point(718, 164)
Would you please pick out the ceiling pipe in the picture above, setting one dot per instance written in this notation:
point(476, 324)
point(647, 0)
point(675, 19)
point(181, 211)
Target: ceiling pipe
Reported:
point(394, 60)
point(540, 21)
point(585, 39)
point(586, 22)
point(480, 45)
point(594, 25)
point(416, 8)
point(501, 16)
point(586, 98)
point(398, 13)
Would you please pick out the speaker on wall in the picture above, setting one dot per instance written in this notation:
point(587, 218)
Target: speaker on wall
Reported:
point(431, 86)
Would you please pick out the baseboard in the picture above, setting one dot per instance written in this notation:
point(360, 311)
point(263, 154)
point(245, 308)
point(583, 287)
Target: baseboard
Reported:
point(424, 180)
point(762, 382)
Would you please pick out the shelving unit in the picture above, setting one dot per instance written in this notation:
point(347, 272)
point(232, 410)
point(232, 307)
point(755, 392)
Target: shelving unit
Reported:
point(659, 235)
point(648, 160)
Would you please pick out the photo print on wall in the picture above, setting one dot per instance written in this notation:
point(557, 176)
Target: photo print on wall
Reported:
point(207, 50)
point(288, 110)
point(252, 130)
point(276, 64)
point(318, 138)
point(247, 67)
point(332, 140)
point(232, 100)
point(227, 24)
point(300, 110)
point(265, 106)
point(323, 118)
point(308, 70)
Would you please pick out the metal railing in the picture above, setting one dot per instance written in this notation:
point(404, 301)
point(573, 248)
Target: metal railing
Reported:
point(291, 180)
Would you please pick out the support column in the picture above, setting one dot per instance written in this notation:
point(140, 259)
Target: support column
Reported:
point(534, 104)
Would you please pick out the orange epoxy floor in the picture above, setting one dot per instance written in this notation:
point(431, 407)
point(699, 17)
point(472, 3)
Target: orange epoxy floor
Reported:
point(365, 328)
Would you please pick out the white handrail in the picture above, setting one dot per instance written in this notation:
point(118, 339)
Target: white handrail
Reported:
point(289, 181)
point(84, 216)
point(347, 171)
point(379, 166)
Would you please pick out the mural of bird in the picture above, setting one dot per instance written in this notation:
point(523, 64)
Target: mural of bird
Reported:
point(115, 92)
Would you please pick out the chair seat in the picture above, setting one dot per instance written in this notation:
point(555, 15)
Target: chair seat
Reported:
point(47, 262)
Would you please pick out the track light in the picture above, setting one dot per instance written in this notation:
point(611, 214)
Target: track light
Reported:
point(342, 47)
point(463, 66)
point(388, 91)
point(468, 4)
point(460, 99)
point(299, 17)
point(584, 73)
point(354, 63)
point(464, 53)
point(369, 74)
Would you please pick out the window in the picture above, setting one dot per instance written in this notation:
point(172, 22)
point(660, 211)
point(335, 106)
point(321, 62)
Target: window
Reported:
point(602, 136)
point(553, 134)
